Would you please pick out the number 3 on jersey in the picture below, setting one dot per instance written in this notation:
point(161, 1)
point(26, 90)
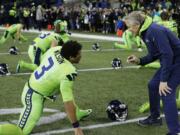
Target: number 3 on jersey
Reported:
point(44, 68)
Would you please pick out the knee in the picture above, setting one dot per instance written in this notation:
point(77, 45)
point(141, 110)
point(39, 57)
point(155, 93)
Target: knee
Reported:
point(170, 97)
point(153, 85)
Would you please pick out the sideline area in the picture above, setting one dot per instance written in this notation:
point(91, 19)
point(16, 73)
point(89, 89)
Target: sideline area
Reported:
point(78, 35)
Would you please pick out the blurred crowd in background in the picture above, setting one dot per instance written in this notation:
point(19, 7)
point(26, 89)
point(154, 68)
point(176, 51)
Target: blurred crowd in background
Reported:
point(90, 15)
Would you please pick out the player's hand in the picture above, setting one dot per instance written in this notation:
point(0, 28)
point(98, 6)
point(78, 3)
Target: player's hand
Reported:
point(133, 59)
point(164, 89)
point(78, 131)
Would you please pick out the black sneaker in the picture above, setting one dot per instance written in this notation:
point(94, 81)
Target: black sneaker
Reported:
point(149, 121)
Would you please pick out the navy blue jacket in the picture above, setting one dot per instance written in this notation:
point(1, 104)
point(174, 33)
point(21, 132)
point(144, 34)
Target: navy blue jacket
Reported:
point(161, 44)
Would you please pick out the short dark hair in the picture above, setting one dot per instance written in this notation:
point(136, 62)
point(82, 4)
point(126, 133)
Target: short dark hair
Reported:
point(70, 49)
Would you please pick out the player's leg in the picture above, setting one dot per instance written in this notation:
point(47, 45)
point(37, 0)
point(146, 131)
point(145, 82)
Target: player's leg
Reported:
point(5, 36)
point(145, 107)
point(10, 129)
point(121, 46)
point(38, 55)
point(32, 110)
point(155, 65)
point(26, 65)
point(22, 38)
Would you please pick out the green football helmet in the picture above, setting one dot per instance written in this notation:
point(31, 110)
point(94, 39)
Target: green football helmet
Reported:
point(60, 25)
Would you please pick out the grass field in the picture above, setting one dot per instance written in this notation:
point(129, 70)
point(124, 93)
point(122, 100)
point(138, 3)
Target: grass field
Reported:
point(93, 89)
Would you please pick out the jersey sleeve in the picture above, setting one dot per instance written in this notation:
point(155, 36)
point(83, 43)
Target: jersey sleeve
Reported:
point(65, 38)
point(66, 87)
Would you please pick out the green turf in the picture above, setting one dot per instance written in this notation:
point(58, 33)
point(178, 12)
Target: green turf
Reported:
point(92, 89)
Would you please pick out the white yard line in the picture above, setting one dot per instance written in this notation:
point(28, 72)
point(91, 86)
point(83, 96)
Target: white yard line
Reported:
point(92, 41)
point(85, 70)
point(12, 55)
point(78, 35)
point(108, 68)
point(103, 125)
point(103, 50)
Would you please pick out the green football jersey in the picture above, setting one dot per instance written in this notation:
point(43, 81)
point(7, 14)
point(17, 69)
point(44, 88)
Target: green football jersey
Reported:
point(65, 37)
point(172, 25)
point(13, 28)
point(44, 41)
point(128, 37)
point(54, 74)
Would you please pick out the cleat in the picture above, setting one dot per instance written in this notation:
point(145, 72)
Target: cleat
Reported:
point(144, 107)
point(150, 121)
point(81, 114)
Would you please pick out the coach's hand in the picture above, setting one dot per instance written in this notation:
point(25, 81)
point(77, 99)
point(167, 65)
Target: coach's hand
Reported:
point(78, 131)
point(164, 89)
point(133, 59)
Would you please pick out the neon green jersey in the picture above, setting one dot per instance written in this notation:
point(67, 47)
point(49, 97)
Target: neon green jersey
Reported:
point(44, 41)
point(128, 37)
point(54, 73)
point(40, 37)
point(12, 12)
point(13, 28)
point(172, 25)
point(65, 37)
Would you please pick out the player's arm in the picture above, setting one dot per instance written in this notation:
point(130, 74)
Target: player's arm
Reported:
point(54, 43)
point(66, 87)
point(71, 112)
point(18, 33)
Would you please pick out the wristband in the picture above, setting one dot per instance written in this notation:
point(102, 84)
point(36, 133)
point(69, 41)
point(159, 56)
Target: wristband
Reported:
point(75, 124)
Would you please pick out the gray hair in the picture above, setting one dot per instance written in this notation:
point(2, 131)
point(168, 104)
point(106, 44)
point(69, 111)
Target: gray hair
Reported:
point(134, 18)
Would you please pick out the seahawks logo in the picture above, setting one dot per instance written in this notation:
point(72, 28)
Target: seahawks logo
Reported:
point(55, 115)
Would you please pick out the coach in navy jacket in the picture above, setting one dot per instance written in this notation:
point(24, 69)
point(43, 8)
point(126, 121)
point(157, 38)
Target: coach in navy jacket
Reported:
point(161, 44)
